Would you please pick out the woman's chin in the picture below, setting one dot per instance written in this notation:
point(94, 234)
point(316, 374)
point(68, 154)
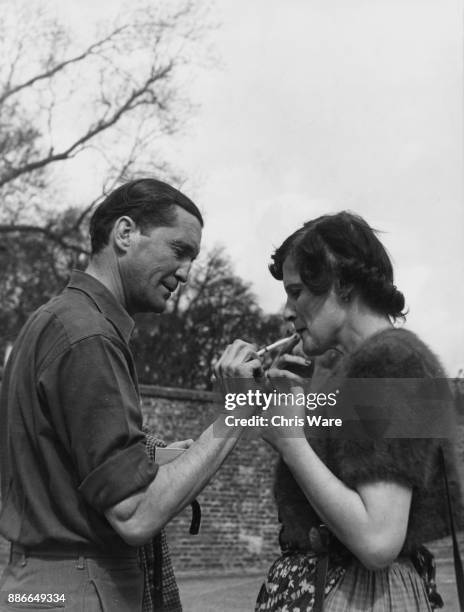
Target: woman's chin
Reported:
point(311, 348)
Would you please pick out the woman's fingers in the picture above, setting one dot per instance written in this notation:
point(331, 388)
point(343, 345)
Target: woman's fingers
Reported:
point(296, 364)
point(277, 373)
point(291, 359)
point(294, 341)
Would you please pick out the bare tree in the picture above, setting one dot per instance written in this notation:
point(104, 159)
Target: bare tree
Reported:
point(122, 91)
point(113, 97)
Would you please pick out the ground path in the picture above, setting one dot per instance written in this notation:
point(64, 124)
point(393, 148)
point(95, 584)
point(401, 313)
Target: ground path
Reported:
point(238, 593)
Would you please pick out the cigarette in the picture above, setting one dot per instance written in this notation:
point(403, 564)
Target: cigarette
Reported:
point(274, 345)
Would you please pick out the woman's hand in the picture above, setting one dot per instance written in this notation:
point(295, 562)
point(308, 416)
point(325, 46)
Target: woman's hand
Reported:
point(286, 418)
point(291, 359)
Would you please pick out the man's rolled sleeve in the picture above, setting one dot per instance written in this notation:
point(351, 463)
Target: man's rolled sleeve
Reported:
point(92, 396)
point(118, 477)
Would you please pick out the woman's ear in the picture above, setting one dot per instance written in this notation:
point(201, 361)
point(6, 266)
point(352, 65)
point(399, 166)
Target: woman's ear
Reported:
point(344, 291)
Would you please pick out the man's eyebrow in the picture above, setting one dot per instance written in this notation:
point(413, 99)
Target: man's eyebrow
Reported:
point(185, 248)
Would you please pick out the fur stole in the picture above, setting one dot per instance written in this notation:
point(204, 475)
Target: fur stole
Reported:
point(395, 353)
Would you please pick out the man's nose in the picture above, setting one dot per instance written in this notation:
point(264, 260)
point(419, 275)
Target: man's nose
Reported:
point(182, 272)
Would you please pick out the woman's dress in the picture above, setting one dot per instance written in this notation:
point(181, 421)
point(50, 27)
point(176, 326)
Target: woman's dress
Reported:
point(350, 586)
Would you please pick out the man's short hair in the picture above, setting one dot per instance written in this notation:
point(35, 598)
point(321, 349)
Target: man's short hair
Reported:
point(147, 201)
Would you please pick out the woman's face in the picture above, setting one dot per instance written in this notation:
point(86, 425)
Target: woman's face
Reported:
point(318, 319)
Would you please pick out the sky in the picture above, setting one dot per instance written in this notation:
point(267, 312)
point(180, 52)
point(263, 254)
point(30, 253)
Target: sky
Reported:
point(323, 106)
point(315, 106)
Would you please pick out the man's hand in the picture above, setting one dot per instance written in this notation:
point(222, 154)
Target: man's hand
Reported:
point(143, 514)
point(238, 361)
point(181, 444)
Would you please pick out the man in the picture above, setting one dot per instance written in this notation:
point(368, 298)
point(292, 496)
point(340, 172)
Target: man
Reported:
point(79, 493)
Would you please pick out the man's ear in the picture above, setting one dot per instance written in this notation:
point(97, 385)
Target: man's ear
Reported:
point(123, 233)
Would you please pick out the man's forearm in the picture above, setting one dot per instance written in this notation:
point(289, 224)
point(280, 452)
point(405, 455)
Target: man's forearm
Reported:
point(181, 480)
point(176, 484)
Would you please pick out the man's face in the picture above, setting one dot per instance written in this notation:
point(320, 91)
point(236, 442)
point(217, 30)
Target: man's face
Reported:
point(157, 261)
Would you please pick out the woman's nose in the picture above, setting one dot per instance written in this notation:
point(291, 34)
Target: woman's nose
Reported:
point(289, 312)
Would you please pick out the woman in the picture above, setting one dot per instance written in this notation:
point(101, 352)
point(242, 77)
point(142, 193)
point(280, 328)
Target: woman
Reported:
point(364, 500)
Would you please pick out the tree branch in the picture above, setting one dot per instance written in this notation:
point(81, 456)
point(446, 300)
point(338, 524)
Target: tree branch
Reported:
point(134, 100)
point(48, 74)
point(46, 231)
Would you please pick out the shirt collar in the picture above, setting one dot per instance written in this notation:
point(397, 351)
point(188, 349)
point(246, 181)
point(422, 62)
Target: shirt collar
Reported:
point(104, 300)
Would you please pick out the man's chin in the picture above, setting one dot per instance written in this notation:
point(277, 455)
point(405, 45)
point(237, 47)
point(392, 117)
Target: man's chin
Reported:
point(158, 308)
point(159, 303)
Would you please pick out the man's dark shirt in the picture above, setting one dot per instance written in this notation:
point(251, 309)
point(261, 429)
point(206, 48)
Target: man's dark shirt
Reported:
point(70, 422)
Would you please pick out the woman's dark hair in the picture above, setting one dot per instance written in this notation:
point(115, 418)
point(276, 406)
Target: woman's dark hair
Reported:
point(147, 201)
point(342, 249)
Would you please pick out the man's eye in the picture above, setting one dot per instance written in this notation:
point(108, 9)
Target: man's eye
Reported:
point(178, 250)
point(294, 294)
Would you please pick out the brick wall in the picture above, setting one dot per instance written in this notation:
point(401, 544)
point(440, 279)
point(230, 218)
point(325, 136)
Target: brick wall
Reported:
point(239, 525)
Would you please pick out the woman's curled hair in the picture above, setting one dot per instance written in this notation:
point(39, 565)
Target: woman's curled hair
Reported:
point(342, 249)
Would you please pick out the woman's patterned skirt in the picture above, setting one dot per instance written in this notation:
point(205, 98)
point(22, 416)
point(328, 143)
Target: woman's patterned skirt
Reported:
point(290, 587)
